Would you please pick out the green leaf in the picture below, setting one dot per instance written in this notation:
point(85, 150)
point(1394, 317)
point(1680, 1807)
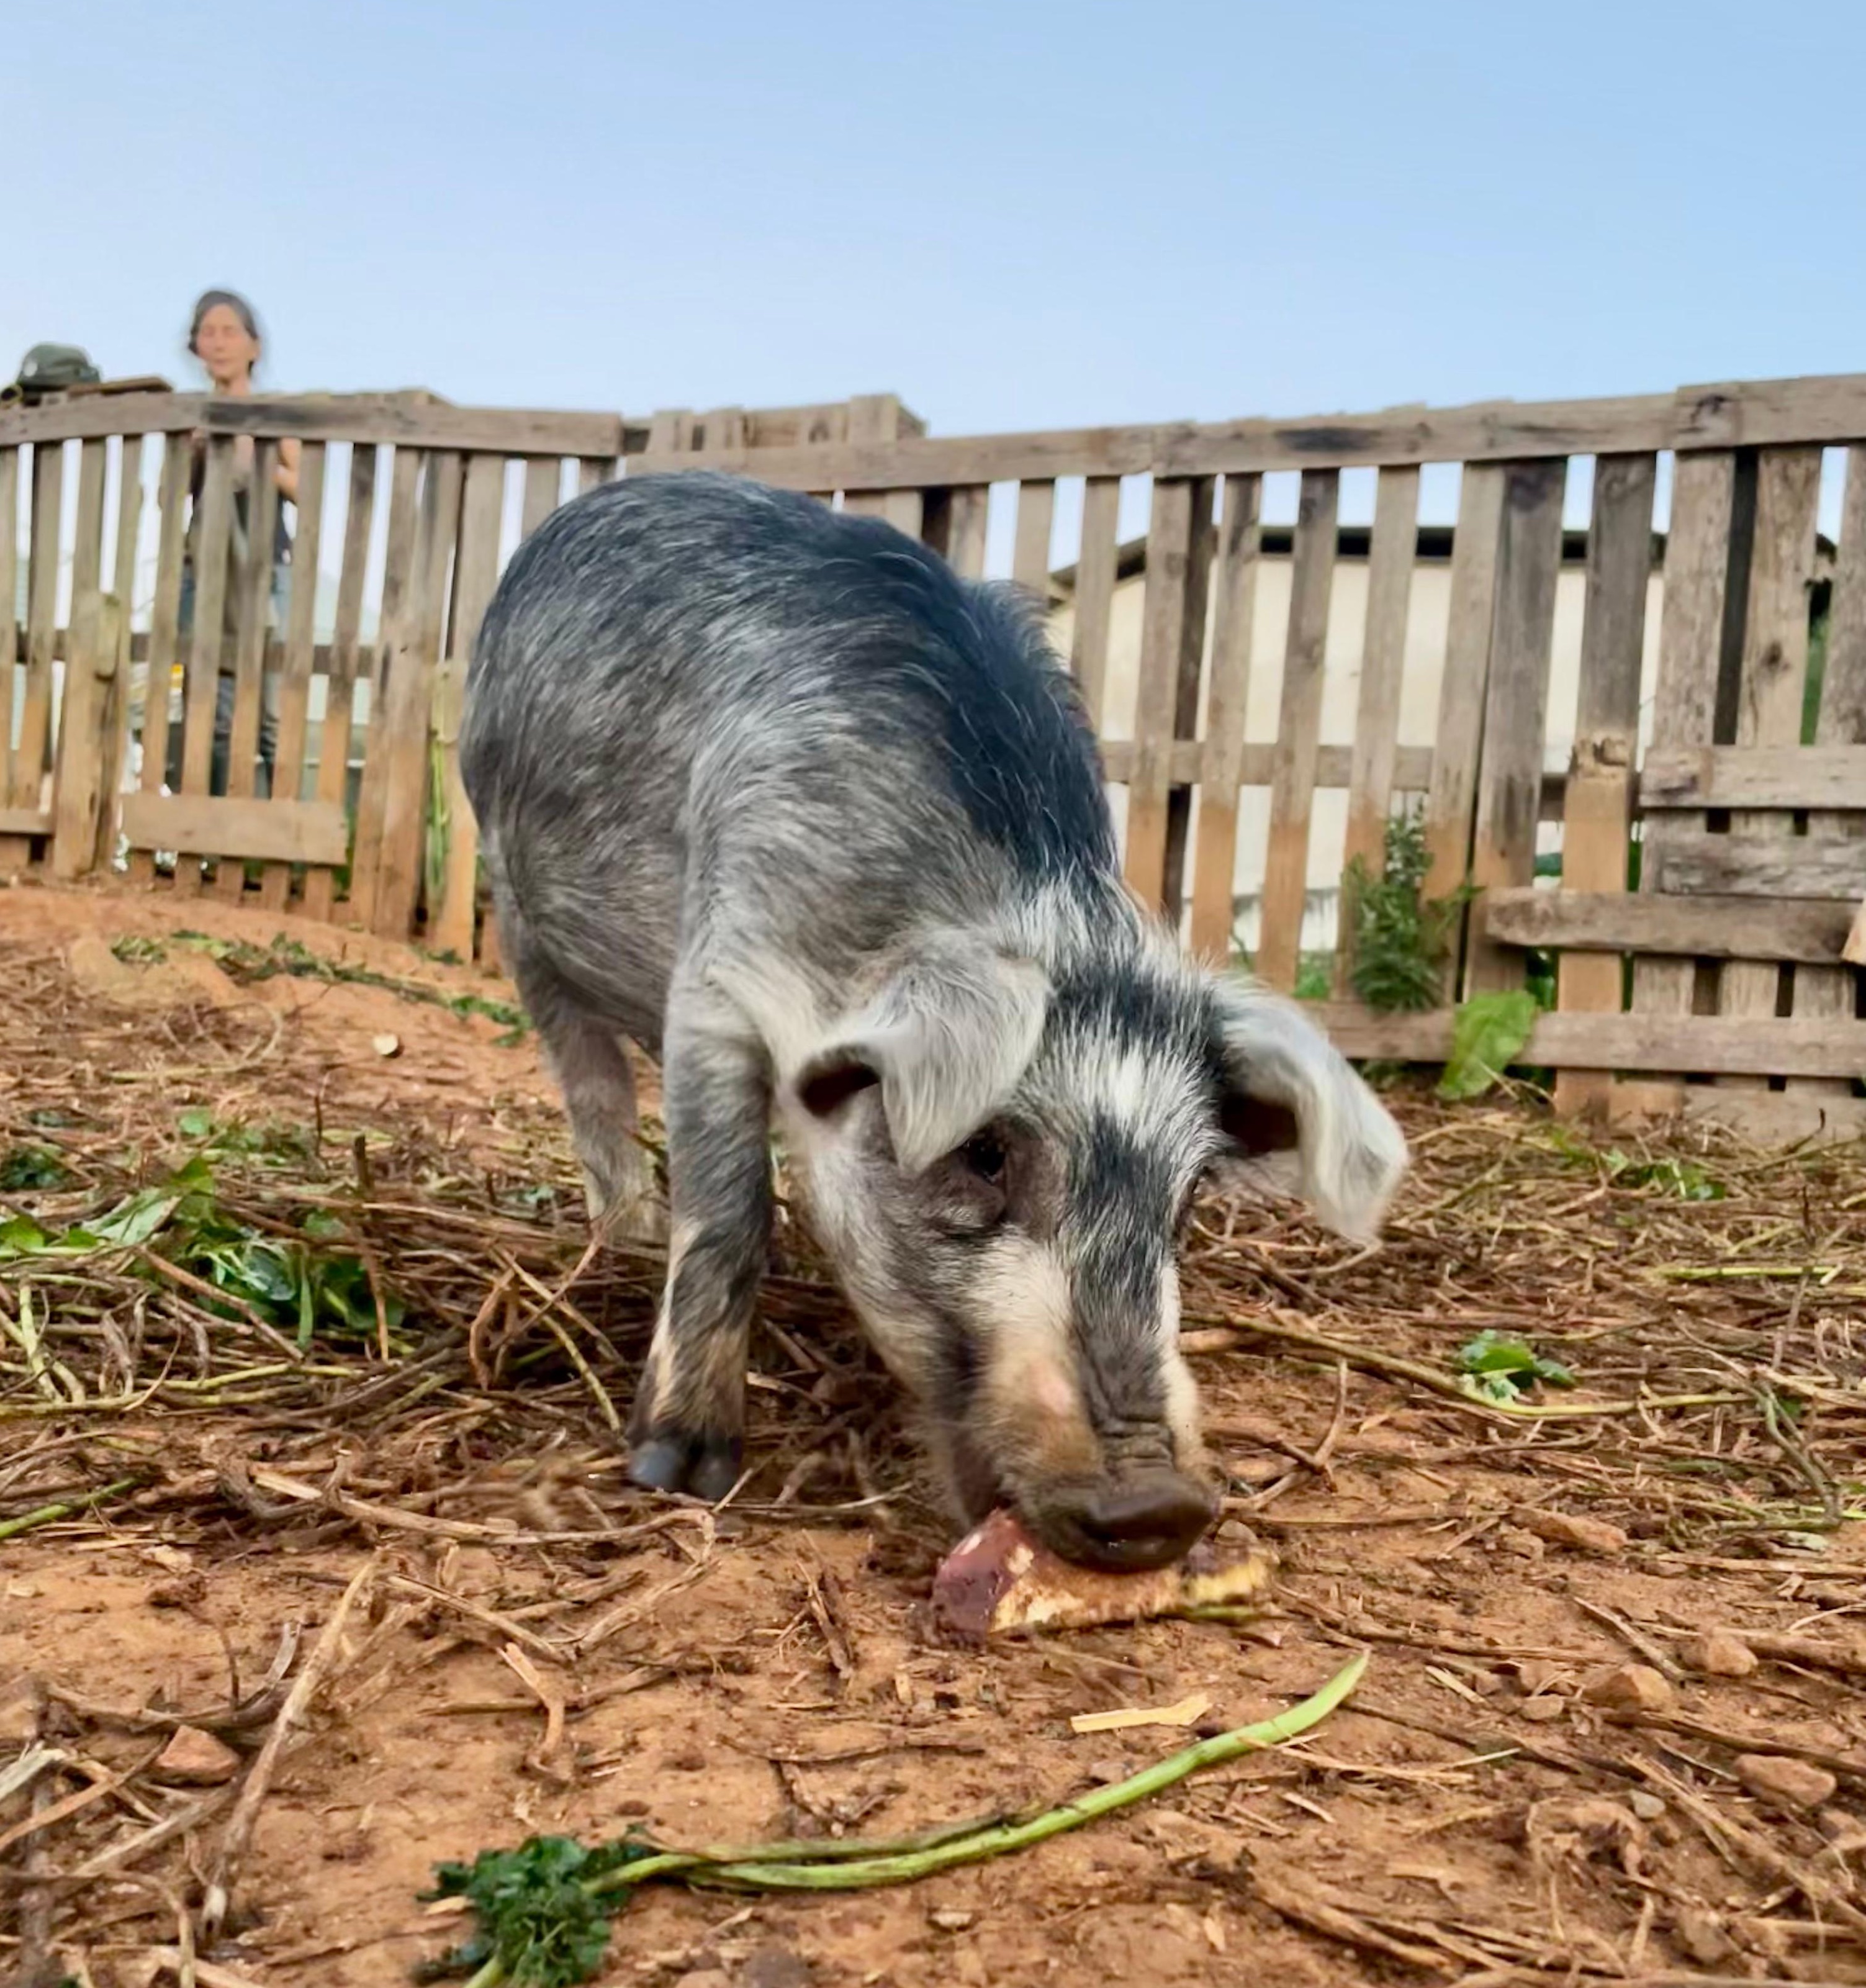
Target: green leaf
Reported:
point(28, 1168)
point(1488, 1033)
point(537, 1917)
point(195, 1124)
point(1497, 1367)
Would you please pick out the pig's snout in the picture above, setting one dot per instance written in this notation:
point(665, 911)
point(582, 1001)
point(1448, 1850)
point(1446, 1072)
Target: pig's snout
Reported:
point(1127, 1527)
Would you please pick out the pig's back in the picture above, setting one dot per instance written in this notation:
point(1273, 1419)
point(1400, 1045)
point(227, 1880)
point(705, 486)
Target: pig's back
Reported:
point(693, 667)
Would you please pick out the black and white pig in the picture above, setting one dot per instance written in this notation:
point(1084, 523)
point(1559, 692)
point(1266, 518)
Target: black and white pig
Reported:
point(772, 792)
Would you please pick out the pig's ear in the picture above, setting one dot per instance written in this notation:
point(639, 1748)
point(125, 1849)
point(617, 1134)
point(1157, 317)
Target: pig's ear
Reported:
point(947, 1039)
point(1286, 1087)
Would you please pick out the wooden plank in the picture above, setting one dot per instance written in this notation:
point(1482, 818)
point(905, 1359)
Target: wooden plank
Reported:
point(249, 648)
point(165, 639)
point(1691, 640)
point(1841, 724)
point(1774, 1118)
point(1392, 556)
point(1458, 738)
point(1610, 921)
point(451, 928)
point(1094, 590)
point(1173, 526)
point(78, 763)
point(339, 687)
point(1774, 669)
point(1227, 699)
point(207, 638)
point(542, 481)
point(1758, 865)
point(1720, 1044)
point(408, 705)
point(1831, 777)
point(879, 419)
point(13, 850)
point(41, 617)
point(276, 831)
point(115, 719)
point(404, 522)
point(1756, 412)
point(1191, 760)
point(1493, 431)
point(1516, 715)
point(1285, 867)
point(419, 420)
point(1036, 505)
point(298, 660)
point(592, 470)
point(1599, 812)
point(1185, 698)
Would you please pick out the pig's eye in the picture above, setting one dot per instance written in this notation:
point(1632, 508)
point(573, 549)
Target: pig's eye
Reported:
point(984, 1156)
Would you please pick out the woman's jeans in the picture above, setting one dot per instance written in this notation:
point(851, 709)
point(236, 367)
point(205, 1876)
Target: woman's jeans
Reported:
point(223, 701)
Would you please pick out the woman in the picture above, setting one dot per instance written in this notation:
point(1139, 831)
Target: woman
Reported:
point(224, 335)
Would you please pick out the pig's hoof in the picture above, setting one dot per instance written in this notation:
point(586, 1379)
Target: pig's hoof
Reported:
point(703, 1466)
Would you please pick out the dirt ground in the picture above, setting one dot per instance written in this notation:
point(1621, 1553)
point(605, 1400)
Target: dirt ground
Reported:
point(187, 1493)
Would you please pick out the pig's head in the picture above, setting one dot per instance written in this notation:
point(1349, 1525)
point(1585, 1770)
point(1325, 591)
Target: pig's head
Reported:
point(1001, 1149)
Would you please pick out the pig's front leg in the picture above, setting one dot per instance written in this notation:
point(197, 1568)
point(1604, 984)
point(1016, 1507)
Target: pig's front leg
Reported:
point(687, 1432)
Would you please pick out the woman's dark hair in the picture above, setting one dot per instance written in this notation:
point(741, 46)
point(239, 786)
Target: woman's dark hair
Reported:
point(206, 301)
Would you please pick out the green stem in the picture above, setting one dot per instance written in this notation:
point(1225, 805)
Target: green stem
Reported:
point(903, 1868)
point(46, 1515)
point(855, 1865)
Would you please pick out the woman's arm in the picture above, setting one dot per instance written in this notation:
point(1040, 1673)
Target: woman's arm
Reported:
point(286, 476)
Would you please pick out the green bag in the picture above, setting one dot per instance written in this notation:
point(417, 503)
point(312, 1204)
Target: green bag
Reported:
point(52, 369)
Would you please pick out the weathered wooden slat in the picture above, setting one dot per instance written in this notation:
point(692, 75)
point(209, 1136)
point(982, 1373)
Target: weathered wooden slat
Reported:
point(13, 850)
point(878, 419)
point(78, 761)
point(543, 478)
point(405, 484)
point(1286, 867)
point(1094, 591)
point(1451, 803)
point(1690, 645)
point(408, 703)
point(371, 418)
point(968, 510)
point(249, 648)
point(1036, 505)
point(29, 758)
point(1191, 761)
point(1219, 765)
point(340, 682)
point(1515, 717)
point(1757, 412)
point(1774, 672)
point(164, 638)
point(1185, 692)
point(592, 470)
point(277, 831)
point(1390, 559)
point(206, 640)
point(1831, 777)
point(451, 928)
point(1719, 1044)
point(116, 722)
point(1583, 922)
point(1599, 802)
point(1171, 526)
point(298, 659)
point(1758, 865)
point(1841, 726)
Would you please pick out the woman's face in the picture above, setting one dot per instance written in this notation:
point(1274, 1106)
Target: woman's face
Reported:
point(225, 347)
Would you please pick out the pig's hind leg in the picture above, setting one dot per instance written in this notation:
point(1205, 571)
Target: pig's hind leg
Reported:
point(590, 1059)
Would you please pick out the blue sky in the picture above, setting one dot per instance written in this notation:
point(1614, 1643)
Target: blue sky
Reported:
point(1016, 216)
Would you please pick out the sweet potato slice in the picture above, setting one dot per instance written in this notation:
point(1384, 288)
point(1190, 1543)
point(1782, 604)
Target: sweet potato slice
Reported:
point(999, 1580)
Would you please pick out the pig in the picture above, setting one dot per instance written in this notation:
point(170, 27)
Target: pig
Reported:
point(768, 790)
